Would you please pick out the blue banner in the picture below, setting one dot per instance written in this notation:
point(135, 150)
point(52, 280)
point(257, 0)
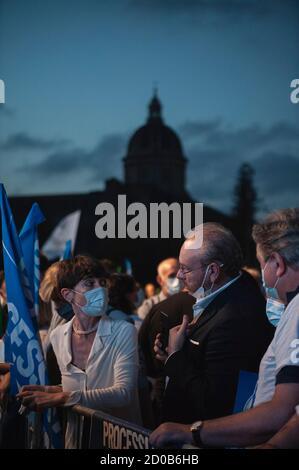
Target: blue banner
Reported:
point(30, 249)
point(22, 346)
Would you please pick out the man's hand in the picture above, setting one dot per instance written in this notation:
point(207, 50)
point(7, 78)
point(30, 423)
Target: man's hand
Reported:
point(177, 336)
point(161, 355)
point(171, 434)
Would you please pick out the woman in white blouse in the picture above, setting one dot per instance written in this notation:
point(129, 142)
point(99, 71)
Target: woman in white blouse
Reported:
point(97, 356)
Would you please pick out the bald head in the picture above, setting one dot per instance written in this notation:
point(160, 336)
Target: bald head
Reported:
point(168, 268)
point(167, 265)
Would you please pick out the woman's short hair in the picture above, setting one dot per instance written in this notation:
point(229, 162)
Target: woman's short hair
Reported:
point(72, 271)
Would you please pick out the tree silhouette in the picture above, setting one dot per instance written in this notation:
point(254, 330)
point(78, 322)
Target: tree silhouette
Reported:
point(245, 206)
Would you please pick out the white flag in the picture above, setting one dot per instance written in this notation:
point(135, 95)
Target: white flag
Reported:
point(66, 230)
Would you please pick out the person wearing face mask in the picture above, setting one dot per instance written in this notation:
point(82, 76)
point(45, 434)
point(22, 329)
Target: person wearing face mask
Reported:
point(277, 393)
point(229, 332)
point(274, 307)
point(86, 346)
point(169, 283)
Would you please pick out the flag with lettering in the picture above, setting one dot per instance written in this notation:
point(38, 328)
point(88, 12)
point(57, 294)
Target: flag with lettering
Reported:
point(22, 346)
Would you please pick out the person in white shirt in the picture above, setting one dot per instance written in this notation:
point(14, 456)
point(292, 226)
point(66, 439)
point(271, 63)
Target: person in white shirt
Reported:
point(277, 393)
point(97, 356)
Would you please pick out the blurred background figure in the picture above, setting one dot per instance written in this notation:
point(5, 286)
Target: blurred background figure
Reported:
point(122, 298)
point(60, 313)
point(149, 290)
point(167, 280)
point(44, 312)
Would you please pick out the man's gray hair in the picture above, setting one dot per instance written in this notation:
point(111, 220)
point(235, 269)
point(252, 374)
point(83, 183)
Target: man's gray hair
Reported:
point(220, 245)
point(279, 233)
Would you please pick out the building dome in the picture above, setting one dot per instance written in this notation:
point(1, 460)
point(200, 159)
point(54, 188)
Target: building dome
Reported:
point(155, 138)
point(155, 154)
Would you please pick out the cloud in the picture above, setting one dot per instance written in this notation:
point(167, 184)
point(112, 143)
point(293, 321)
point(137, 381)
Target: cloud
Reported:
point(216, 153)
point(194, 129)
point(277, 175)
point(101, 162)
point(214, 135)
point(254, 136)
point(23, 141)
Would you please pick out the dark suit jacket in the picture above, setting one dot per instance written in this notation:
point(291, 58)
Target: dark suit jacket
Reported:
point(231, 335)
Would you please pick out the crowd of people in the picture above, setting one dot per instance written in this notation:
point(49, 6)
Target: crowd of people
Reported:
point(173, 361)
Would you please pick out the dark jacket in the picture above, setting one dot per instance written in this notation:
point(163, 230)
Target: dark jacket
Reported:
point(232, 334)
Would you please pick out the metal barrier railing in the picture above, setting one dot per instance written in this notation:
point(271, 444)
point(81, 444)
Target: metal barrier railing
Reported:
point(91, 429)
point(98, 430)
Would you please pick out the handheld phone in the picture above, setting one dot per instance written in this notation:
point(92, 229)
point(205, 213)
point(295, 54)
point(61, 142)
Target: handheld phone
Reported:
point(164, 330)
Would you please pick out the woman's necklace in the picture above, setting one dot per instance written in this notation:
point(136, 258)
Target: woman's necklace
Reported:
point(85, 332)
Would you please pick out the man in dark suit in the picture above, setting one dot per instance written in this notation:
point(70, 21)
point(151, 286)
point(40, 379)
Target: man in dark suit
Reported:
point(229, 333)
point(173, 308)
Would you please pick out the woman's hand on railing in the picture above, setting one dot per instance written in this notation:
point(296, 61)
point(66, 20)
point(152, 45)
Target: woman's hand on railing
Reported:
point(42, 388)
point(37, 400)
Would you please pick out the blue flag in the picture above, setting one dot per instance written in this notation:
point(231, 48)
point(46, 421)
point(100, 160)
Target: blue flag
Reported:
point(30, 249)
point(22, 346)
point(67, 254)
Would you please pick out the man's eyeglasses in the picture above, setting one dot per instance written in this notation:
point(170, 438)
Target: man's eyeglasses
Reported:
point(186, 270)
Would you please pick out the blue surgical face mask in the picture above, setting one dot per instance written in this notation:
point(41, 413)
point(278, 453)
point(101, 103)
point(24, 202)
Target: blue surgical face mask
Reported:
point(274, 311)
point(274, 307)
point(271, 292)
point(96, 301)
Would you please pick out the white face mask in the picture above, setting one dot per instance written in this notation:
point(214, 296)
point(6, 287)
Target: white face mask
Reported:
point(201, 292)
point(96, 301)
point(173, 285)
